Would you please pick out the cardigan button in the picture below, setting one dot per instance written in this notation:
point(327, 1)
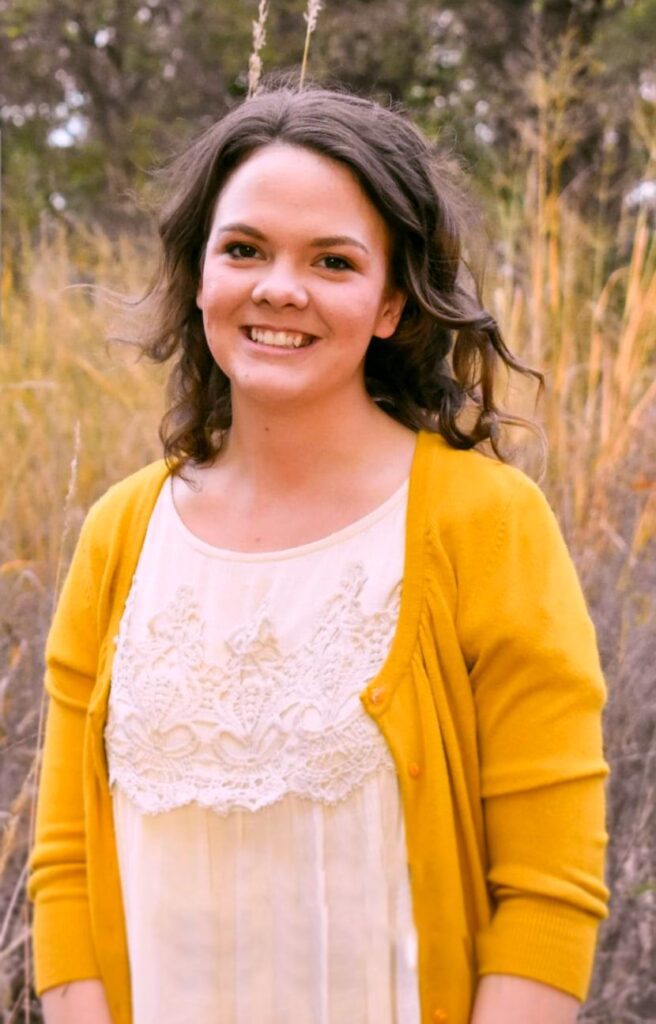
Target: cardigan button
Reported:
point(414, 769)
point(440, 1016)
point(378, 695)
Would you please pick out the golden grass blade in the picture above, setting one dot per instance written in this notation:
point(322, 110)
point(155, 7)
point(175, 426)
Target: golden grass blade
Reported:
point(259, 39)
point(310, 16)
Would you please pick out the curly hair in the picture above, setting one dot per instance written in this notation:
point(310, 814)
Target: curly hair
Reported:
point(447, 351)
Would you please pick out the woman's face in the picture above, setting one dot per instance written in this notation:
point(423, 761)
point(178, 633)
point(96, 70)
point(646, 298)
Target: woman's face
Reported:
point(273, 260)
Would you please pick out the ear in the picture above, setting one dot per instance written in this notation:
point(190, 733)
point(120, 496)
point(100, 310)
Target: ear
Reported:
point(199, 289)
point(201, 269)
point(390, 315)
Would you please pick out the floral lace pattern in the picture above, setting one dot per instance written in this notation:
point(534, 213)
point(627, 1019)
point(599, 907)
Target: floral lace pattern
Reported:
point(262, 722)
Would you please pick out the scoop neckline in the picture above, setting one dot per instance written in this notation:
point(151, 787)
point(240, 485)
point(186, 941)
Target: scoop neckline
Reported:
point(344, 533)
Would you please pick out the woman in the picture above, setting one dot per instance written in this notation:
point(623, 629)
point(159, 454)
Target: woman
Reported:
point(324, 739)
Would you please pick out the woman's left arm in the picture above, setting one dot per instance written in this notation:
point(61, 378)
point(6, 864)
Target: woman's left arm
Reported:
point(509, 999)
point(539, 692)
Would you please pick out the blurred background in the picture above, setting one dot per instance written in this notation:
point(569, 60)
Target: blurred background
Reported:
point(549, 110)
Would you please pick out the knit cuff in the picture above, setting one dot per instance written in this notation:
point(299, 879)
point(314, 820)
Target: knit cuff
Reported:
point(544, 940)
point(62, 943)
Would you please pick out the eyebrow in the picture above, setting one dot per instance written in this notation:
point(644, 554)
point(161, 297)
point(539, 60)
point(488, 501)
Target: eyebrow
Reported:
point(317, 243)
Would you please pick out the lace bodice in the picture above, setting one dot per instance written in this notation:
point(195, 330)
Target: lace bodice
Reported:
point(255, 721)
point(236, 677)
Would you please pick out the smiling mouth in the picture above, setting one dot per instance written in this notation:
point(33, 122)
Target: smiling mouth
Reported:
point(279, 339)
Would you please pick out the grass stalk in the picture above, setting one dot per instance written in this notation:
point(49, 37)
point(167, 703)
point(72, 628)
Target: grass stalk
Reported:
point(310, 16)
point(259, 39)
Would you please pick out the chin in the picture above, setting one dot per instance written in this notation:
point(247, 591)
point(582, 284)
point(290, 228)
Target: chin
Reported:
point(274, 393)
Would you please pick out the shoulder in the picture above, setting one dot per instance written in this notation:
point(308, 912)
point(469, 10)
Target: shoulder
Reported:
point(124, 501)
point(479, 509)
point(110, 530)
point(468, 484)
point(492, 531)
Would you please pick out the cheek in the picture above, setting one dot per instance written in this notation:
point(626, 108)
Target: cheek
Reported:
point(220, 289)
point(355, 311)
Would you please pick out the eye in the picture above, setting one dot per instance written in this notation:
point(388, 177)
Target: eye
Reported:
point(233, 246)
point(340, 259)
point(238, 245)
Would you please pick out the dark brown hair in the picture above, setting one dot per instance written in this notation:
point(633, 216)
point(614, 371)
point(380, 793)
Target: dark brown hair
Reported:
point(446, 352)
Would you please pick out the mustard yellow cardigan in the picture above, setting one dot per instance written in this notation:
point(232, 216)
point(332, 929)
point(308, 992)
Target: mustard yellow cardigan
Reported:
point(490, 699)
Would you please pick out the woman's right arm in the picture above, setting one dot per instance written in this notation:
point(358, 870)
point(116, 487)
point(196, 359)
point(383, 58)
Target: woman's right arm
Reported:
point(78, 1002)
point(65, 962)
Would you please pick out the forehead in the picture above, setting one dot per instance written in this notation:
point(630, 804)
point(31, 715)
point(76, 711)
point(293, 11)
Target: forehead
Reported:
point(290, 186)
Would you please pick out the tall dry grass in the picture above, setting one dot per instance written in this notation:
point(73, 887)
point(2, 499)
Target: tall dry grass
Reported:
point(78, 416)
point(577, 296)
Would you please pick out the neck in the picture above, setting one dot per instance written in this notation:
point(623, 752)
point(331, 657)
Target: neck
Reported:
point(280, 450)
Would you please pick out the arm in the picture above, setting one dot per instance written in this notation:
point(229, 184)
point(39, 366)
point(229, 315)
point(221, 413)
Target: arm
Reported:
point(538, 690)
point(81, 1002)
point(508, 999)
point(57, 882)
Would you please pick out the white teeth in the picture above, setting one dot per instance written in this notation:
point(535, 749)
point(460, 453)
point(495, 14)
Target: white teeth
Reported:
point(278, 338)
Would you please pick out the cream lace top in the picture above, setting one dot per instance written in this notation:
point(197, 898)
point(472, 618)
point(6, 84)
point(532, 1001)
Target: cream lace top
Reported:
point(258, 818)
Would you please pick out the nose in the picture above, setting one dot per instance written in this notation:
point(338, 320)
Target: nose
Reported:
point(279, 286)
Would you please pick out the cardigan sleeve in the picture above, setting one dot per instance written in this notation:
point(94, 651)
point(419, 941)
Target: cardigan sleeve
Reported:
point(539, 693)
point(61, 934)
